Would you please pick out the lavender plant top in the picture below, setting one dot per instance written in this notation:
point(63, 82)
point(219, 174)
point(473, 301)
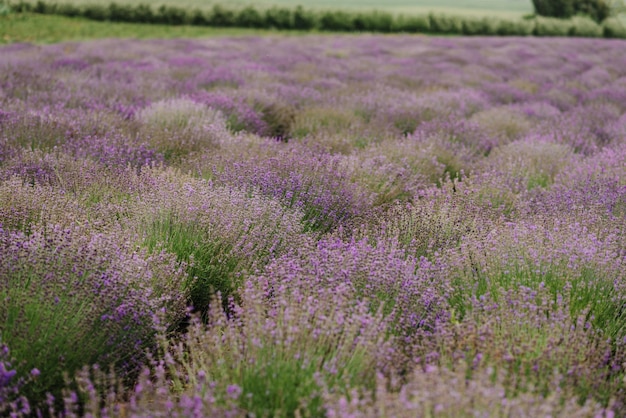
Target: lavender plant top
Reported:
point(360, 224)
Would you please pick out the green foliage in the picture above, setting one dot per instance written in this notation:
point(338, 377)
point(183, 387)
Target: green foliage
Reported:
point(500, 27)
point(285, 376)
point(303, 19)
point(278, 18)
point(598, 10)
point(473, 26)
point(613, 27)
point(279, 383)
point(514, 27)
point(445, 24)
point(540, 179)
point(336, 21)
point(532, 335)
point(585, 27)
point(67, 302)
point(96, 12)
point(554, 8)
point(68, 10)
point(4, 9)
point(171, 15)
point(589, 292)
point(373, 22)
point(279, 119)
point(44, 8)
point(221, 17)
point(120, 13)
point(411, 24)
point(198, 18)
point(211, 268)
point(21, 7)
point(249, 17)
point(143, 14)
point(286, 18)
point(545, 26)
point(41, 333)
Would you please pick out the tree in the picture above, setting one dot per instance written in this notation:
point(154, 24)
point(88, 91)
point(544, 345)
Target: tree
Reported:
point(598, 10)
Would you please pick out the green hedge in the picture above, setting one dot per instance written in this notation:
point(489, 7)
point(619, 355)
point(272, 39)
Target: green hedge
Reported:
point(298, 18)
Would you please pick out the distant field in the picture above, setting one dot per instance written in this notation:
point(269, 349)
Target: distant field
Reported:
point(508, 7)
point(50, 29)
point(474, 7)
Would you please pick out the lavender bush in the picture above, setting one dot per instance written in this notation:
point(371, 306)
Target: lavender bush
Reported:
point(314, 225)
point(73, 298)
point(220, 234)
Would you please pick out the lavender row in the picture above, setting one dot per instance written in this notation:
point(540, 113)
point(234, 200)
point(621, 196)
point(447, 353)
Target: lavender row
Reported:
point(321, 225)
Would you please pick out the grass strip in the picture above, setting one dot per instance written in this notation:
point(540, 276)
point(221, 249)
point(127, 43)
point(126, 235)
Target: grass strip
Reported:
point(37, 28)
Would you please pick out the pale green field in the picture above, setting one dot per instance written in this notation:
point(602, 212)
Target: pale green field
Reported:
point(486, 7)
point(35, 28)
point(509, 8)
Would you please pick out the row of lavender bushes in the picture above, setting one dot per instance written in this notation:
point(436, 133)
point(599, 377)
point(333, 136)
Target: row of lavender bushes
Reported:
point(314, 226)
point(336, 21)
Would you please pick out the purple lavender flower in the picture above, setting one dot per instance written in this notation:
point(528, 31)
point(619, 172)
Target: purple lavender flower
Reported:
point(382, 219)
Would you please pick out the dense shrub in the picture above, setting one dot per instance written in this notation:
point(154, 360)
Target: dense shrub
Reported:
point(411, 24)
point(72, 297)
point(614, 28)
point(143, 14)
point(44, 8)
point(318, 184)
point(69, 10)
point(284, 357)
point(179, 127)
point(279, 118)
point(303, 19)
point(546, 26)
point(249, 17)
point(218, 234)
point(585, 27)
point(445, 24)
point(373, 22)
point(172, 15)
point(96, 12)
point(5, 9)
point(220, 16)
point(278, 18)
point(474, 26)
point(513, 27)
point(336, 21)
point(554, 8)
point(121, 13)
point(198, 18)
point(598, 10)
point(442, 392)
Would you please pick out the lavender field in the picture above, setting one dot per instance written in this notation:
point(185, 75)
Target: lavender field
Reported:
point(340, 226)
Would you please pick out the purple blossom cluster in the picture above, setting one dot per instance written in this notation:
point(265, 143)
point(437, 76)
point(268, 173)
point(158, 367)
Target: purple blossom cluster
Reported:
point(317, 183)
point(72, 296)
point(313, 226)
